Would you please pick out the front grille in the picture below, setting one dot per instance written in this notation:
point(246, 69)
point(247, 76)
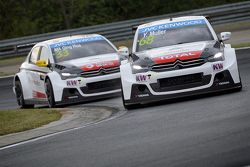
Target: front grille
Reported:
point(102, 86)
point(181, 82)
point(99, 72)
point(178, 64)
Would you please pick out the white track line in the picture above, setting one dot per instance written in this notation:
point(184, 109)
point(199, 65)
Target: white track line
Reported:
point(120, 113)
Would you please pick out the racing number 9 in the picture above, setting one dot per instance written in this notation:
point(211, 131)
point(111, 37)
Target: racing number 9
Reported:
point(146, 41)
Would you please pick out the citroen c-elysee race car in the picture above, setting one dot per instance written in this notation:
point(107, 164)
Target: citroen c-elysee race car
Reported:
point(66, 70)
point(177, 57)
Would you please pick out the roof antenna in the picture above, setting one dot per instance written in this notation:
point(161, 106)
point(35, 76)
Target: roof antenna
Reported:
point(171, 19)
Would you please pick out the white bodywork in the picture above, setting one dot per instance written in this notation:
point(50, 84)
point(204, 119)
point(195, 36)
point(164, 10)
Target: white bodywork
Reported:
point(33, 78)
point(129, 78)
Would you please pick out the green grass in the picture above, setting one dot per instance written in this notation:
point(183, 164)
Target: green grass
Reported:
point(12, 121)
point(241, 45)
point(12, 61)
point(238, 26)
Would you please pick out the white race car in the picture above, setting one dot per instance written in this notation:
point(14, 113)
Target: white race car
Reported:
point(67, 70)
point(177, 57)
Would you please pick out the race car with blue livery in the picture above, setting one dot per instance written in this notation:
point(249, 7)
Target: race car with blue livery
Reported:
point(177, 57)
point(67, 70)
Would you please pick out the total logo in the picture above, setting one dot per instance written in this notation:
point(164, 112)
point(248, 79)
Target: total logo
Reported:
point(97, 66)
point(173, 57)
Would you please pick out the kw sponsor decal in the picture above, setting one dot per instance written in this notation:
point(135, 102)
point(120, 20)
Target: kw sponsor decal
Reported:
point(74, 82)
point(142, 78)
point(39, 95)
point(97, 66)
point(217, 67)
point(178, 56)
point(172, 25)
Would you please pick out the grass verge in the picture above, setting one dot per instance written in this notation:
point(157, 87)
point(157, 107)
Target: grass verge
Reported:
point(241, 45)
point(12, 121)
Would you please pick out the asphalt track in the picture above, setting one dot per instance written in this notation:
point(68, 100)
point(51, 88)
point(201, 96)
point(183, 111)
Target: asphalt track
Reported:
point(202, 131)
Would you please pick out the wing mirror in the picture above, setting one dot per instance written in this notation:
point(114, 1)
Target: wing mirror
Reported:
point(42, 63)
point(225, 36)
point(124, 52)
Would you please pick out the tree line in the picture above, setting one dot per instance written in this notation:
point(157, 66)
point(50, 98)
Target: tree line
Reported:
point(28, 17)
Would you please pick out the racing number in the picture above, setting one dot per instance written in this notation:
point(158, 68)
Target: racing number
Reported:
point(147, 40)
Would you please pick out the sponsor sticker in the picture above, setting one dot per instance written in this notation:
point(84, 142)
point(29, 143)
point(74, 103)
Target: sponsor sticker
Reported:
point(172, 25)
point(217, 67)
point(97, 66)
point(74, 82)
point(142, 78)
point(180, 56)
point(74, 42)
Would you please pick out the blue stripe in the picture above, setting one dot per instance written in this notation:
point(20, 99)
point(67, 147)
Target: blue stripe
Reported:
point(76, 41)
point(173, 25)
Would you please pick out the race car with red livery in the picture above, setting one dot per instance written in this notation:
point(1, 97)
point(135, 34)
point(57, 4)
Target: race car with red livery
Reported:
point(177, 57)
point(67, 70)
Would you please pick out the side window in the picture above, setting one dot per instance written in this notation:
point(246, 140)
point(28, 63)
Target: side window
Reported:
point(34, 55)
point(45, 54)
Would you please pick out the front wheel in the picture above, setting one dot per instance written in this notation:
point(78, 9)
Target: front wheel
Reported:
point(19, 96)
point(49, 93)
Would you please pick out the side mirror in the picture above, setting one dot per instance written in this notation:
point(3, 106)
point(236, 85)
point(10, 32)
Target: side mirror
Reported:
point(42, 63)
point(123, 50)
point(225, 36)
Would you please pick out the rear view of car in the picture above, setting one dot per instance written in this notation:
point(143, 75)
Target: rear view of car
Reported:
point(67, 70)
point(178, 57)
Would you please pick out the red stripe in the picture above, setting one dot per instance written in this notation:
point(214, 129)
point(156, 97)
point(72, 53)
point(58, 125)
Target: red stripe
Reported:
point(97, 66)
point(180, 56)
point(39, 95)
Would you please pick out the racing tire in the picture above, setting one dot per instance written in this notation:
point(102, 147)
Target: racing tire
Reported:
point(19, 96)
point(49, 93)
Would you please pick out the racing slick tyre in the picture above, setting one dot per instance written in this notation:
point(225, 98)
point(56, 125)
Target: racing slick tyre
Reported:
point(49, 93)
point(19, 96)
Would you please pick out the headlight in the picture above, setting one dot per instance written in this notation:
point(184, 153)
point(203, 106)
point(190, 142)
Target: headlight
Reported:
point(217, 57)
point(138, 68)
point(65, 75)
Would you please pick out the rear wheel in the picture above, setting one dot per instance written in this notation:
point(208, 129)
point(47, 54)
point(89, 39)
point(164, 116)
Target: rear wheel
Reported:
point(19, 96)
point(49, 93)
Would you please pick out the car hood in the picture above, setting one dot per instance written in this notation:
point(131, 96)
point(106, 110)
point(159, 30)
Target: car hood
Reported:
point(181, 52)
point(93, 63)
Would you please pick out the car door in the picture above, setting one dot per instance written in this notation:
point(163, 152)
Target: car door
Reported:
point(33, 74)
point(41, 72)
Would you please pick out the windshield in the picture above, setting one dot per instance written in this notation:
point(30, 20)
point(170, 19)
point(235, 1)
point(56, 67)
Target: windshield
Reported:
point(79, 48)
point(172, 34)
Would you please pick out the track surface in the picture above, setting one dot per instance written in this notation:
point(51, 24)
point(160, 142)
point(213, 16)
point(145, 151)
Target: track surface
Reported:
point(208, 131)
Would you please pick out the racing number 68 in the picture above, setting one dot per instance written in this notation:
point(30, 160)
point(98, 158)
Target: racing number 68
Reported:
point(146, 41)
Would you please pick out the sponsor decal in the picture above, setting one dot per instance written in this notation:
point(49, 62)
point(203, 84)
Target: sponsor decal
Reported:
point(217, 67)
point(143, 95)
point(224, 83)
point(178, 56)
point(172, 25)
point(142, 78)
point(97, 66)
point(74, 82)
point(39, 95)
point(74, 42)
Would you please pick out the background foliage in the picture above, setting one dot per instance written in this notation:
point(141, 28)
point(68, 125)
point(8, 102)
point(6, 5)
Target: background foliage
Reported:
point(28, 17)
